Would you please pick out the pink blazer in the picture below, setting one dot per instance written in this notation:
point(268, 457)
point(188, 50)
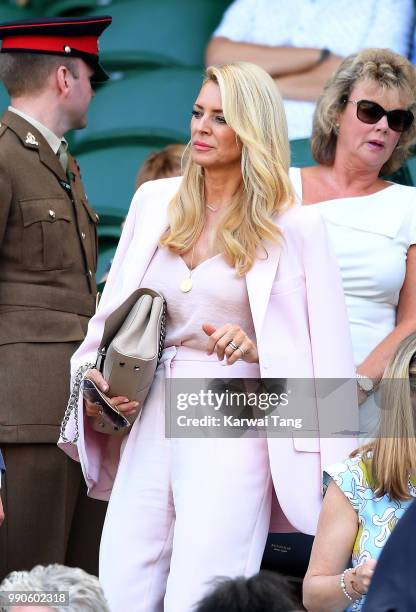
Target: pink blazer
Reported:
point(302, 331)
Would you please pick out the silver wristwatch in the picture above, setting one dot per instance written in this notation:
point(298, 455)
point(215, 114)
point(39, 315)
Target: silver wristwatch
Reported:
point(365, 383)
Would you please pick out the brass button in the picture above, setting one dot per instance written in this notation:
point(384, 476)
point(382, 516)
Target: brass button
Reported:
point(83, 235)
point(52, 214)
point(90, 273)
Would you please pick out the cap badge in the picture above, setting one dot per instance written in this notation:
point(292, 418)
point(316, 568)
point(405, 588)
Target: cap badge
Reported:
point(67, 49)
point(30, 139)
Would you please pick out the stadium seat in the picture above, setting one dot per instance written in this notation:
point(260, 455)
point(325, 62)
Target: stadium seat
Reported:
point(111, 217)
point(411, 171)
point(14, 13)
point(159, 32)
point(109, 175)
point(109, 232)
point(105, 255)
point(301, 153)
point(72, 7)
point(154, 104)
point(4, 98)
point(302, 156)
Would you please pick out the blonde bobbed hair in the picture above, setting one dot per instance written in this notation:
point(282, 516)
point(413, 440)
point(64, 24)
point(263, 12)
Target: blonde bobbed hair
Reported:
point(253, 108)
point(384, 68)
point(391, 457)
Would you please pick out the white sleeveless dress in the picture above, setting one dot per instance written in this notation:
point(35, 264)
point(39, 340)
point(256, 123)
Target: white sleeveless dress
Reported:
point(370, 235)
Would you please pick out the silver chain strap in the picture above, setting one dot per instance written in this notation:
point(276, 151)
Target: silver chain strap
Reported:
point(73, 402)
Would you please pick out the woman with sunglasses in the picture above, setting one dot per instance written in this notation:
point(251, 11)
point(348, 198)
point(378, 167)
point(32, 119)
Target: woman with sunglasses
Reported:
point(363, 130)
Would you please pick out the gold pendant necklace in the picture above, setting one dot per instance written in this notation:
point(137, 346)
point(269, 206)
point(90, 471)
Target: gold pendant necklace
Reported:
point(187, 284)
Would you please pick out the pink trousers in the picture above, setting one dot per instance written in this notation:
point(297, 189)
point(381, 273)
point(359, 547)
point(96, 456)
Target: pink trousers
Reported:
point(183, 511)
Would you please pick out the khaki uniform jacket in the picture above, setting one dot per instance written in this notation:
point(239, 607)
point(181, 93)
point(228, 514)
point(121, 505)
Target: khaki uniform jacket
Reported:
point(48, 255)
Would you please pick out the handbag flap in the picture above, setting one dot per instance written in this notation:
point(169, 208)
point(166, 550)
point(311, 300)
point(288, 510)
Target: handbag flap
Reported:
point(139, 335)
point(116, 319)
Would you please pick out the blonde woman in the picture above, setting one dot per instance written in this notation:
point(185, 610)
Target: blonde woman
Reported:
point(363, 130)
point(365, 496)
point(243, 272)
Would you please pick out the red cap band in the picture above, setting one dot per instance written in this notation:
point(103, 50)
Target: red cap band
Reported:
point(53, 44)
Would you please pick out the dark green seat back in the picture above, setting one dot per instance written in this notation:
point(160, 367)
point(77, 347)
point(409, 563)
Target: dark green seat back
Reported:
point(109, 175)
point(75, 7)
point(154, 104)
point(8, 12)
point(301, 154)
point(159, 32)
point(4, 99)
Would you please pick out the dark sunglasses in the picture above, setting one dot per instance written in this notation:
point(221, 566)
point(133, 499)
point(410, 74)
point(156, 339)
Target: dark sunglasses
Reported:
point(398, 120)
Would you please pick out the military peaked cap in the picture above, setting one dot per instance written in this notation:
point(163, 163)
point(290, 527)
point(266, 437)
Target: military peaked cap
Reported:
point(67, 36)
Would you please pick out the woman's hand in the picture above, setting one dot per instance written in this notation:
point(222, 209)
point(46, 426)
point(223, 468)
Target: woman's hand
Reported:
point(360, 577)
point(123, 404)
point(220, 341)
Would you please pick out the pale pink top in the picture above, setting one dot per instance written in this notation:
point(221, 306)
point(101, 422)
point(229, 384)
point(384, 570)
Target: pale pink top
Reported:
point(218, 296)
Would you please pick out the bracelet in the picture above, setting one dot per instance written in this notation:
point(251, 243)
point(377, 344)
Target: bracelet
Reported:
point(325, 53)
point(342, 584)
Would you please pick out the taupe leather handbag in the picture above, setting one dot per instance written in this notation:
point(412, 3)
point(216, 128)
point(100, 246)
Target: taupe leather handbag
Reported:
point(131, 346)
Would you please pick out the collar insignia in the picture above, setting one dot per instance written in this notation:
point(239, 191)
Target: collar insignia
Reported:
point(30, 139)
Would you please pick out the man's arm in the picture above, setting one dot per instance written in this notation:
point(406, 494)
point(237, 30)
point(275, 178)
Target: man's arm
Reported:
point(277, 61)
point(308, 85)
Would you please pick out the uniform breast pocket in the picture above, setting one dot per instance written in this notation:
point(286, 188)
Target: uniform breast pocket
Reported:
point(46, 243)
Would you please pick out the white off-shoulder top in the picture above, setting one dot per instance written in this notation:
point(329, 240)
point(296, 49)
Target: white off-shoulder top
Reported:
point(370, 235)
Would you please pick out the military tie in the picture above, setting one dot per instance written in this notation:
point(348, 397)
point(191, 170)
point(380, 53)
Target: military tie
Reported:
point(63, 154)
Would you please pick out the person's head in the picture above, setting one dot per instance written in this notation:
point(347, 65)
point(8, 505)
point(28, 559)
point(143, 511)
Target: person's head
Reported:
point(161, 164)
point(68, 80)
point(394, 448)
point(53, 60)
point(263, 592)
point(85, 592)
point(238, 128)
point(239, 116)
point(348, 116)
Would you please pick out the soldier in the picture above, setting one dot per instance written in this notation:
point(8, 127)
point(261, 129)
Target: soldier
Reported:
point(48, 253)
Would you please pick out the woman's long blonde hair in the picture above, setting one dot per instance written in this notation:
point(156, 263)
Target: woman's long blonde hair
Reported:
point(392, 457)
point(253, 108)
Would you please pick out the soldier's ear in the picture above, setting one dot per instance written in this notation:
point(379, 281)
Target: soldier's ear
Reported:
point(62, 76)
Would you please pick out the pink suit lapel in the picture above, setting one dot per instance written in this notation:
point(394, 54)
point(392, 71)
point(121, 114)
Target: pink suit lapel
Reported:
point(150, 226)
point(259, 281)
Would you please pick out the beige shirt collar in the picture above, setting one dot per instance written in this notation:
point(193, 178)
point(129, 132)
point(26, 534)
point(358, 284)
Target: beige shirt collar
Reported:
point(52, 139)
